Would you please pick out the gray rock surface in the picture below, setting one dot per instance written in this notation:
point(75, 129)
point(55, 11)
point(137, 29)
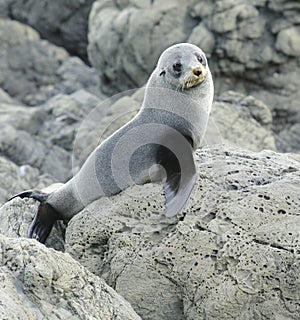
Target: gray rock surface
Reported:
point(139, 31)
point(233, 253)
point(27, 64)
point(43, 136)
point(253, 47)
point(17, 178)
point(41, 283)
point(240, 121)
point(4, 97)
point(288, 139)
point(64, 23)
point(33, 70)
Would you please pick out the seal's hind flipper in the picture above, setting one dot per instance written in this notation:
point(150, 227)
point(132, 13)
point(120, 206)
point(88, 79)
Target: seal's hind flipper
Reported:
point(180, 179)
point(45, 217)
point(43, 222)
point(34, 194)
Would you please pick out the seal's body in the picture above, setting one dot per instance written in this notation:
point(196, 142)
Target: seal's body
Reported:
point(162, 136)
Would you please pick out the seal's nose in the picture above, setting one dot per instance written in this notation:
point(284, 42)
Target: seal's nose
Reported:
point(197, 71)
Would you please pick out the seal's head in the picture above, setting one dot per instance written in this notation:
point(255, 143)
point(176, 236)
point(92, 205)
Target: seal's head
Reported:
point(183, 66)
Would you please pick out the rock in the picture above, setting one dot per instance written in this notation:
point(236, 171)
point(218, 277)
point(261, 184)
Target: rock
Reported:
point(63, 23)
point(3, 9)
point(75, 75)
point(33, 70)
point(252, 47)
point(63, 114)
point(104, 119)
point(139, 32)
point(232, 253)
point(289, 139)
point(240, 121)
point(203, 38)
point(17, 214)
point(4, 97)
point(43, 136)
point(227, 19)
point(288, 41)
point(35, 285)
point(27, 63)
point(18, 178)
point(24, 149)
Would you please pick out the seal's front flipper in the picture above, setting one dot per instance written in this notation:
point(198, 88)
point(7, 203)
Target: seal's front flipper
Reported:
point(180, 178)
point(177, 192)
point(45, 217)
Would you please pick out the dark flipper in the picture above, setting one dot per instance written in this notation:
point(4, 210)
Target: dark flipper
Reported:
point(181, 177)
point(45, 217)
point(177, 192)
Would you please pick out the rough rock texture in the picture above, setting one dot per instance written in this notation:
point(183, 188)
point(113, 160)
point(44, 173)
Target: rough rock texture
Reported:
point(4, 97)
point(40, 283)
point(33, 70)
point(139, 31)
point(240, 121)
point(16, 178)
point(27, 64)
point(64, 23)
point(253, 47)
point(43, 136)
point(288, 139)
point(232, 254)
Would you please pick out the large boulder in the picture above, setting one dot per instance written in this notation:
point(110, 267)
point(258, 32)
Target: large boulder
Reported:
point(27, 64)
point(253, 48)
point(232, 253)
point(139, 32)
point(240, 121)
point(64, 23)
point(43, 136)
point(41, 283)
point(33, 70)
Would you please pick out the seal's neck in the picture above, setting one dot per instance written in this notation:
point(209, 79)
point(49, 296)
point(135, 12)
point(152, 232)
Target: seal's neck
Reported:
point(193, 104)
point(189, 103)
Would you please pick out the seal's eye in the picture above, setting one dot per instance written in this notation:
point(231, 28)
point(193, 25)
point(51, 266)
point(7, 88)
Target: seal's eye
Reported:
point(201, 59)
point(177, 67)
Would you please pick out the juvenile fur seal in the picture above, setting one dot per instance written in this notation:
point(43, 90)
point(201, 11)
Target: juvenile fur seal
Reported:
point(162, 136)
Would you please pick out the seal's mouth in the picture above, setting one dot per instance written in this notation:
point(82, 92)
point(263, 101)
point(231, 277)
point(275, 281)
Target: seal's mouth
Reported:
point(191, 83)
point(195, 77)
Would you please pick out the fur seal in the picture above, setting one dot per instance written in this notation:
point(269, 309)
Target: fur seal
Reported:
point(162, 136)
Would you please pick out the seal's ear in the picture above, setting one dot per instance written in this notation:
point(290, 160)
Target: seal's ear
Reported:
point(162, 73)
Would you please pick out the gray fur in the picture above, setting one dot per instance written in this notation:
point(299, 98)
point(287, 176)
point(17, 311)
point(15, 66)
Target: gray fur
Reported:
point(168, 108)
point(157, 144)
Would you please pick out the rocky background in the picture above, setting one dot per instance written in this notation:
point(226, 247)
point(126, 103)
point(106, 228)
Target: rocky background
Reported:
point(233, 253)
